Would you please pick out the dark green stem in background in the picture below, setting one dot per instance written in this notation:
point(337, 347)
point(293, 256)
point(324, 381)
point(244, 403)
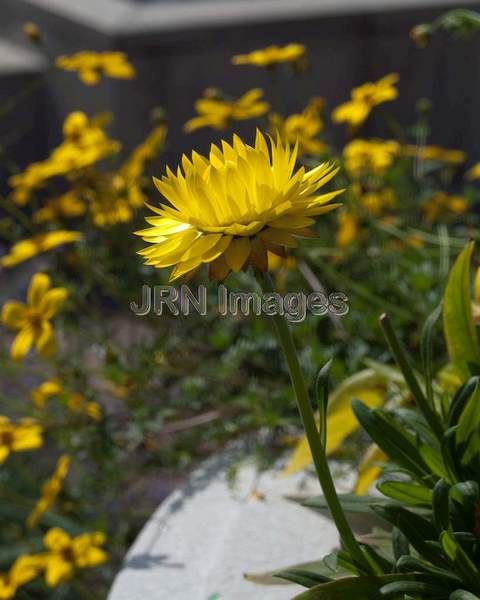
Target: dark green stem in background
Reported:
point(317, 449)
point(402, 361)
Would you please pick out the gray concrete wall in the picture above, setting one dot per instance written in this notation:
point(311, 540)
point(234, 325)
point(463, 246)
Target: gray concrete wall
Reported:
point(181, 48)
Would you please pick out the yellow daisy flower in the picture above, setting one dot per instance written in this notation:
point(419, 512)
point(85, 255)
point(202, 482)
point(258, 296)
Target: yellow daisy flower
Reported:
point(45, 391)
point(304, 127)
point(376, 202)
point(65, 554)
point(473, 173)
point(77, 404)
point(228, 209)
point(91, 66)
point(272, 55)
point(369, 156)
point(33, 319)
point(50, 490)
point(443, 204)
point(85, 143)
point(436, 153)
point(220, 114)
point(348, 228)
point(24, 569)
point(68, 205)
point(364, 98)
point(26, 249)
point(26, 435)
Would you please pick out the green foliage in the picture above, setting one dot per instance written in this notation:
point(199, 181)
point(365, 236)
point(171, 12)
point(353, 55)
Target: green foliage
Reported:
point(430, 492)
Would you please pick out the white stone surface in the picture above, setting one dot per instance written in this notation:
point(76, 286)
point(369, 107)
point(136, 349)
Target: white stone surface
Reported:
point(206, 535)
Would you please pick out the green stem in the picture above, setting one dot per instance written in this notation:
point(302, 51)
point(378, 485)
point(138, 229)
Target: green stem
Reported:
point(407, 371)
point(318, 451)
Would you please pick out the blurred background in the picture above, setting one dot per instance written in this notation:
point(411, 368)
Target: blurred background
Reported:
point(137, 403)
point(181, 48)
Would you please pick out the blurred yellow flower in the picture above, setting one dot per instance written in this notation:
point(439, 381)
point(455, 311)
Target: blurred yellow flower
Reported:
point(32, 320)
point(303, 127)
point(24, 569)
point(221, 113)
point(32, 32)
point(348, 228)
point(112, 197)
point(84, 144)
point(65, 554)
point(133, 167)
point(26, 435)
point(436, 153)
point(441, 203)
point(26, 249)
point(473, 173)
point(375, 202)
point(272, 55)
point(228, 209)
point(50, 490)
point(91, 66)
point(78, 404)
point(364, 98)
point(45, 391)
point(369, 156)
point(68, 205)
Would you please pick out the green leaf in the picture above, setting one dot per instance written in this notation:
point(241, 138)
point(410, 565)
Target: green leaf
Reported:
point(426, 352)
point(302, 577)
point(358, 588)
point(460, 399)
point(406, 493)
point(351, 503)
point(440, 505)
point(416, 529)
point(400, 544)
point(426, 590)
point(463, 564)
point(397, 443)
point(462, 595)
point(469, 419)
point(458, 324)
point(409, 564)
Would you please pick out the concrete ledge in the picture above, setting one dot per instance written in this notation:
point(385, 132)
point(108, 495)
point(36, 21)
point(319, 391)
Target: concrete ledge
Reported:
point(206, 535)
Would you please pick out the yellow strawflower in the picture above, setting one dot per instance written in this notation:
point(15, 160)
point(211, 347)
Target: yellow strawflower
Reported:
point(84, 144)
point(65, 554)
point(364, 98)
point(45, 391)
point(220, 113)
point(271, 56)
point(91, 66)
point(50, 490)
point(24, 569)
point(33, 320)
point(441, 203)
point(228, 209)
point(26, 249)
point(303, 127)
point(436, 153)
point(18, 437)
point(369, 156)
